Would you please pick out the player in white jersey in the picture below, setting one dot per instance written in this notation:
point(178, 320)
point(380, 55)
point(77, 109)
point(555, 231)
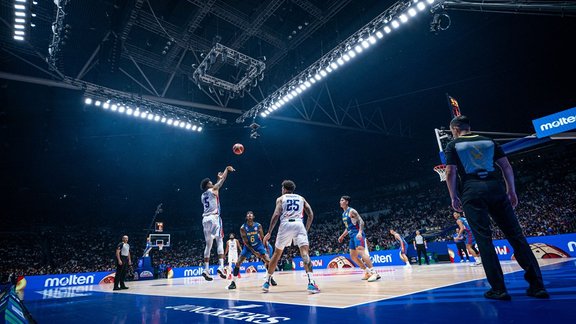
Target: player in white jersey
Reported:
point(290, 209)
point(211, 221)
point(232, 250)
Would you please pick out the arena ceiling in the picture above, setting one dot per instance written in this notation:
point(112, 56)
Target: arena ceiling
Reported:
point(152, 47)
point(64, 160)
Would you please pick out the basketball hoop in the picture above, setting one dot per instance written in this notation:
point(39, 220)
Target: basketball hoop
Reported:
point(441, 170)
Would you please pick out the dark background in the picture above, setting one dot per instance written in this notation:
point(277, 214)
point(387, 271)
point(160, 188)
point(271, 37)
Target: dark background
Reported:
point(65, 163)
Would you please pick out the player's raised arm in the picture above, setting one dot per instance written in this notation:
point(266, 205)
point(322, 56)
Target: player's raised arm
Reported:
point(274, 219)
point(222, 177)
point(309, 213)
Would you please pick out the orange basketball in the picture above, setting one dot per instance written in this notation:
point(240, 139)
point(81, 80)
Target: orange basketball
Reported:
point(238, 148)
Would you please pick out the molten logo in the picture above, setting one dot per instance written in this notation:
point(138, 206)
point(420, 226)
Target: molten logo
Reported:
point(72, 280)
point(381, 258)
point(557, 123)
point(195, 272)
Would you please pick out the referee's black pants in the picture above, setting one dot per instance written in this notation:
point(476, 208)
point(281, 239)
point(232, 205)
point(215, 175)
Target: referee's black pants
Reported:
point(481, 198)
point(421, 249)
point(121, 270)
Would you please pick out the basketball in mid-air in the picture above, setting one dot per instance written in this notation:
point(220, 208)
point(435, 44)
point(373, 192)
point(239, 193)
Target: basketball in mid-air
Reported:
point(238, 148)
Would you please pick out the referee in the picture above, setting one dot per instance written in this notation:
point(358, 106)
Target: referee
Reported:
point(122, 262)
point(420, 246)
point(473, 158)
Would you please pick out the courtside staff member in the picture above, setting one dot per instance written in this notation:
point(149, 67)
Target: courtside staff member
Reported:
point(473, 157)
point(420, 246)
point(122, 262)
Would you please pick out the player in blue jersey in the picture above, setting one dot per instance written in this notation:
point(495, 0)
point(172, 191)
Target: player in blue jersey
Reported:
point(355, 227)
point(464, 232)
point(461, 246)
point(252, 235)
point(211, 221)
point(403, 247)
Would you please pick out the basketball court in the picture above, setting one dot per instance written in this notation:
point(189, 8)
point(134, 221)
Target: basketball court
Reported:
point(435, 293)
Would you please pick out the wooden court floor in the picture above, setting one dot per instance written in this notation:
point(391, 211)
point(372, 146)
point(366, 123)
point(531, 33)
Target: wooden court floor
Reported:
point(340, 288)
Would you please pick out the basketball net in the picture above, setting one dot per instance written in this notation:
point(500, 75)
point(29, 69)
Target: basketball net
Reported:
point(441, 170)
point(160, 246)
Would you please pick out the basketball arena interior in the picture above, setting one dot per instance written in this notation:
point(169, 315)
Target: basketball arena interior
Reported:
point(136, 136)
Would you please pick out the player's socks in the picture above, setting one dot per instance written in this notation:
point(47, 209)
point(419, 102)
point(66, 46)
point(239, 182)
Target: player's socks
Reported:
point(309, 274)
point(206, 266)
point(221, 263)
point(267, 277)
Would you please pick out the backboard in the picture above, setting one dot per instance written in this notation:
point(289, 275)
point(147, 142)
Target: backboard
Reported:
point(159, 239)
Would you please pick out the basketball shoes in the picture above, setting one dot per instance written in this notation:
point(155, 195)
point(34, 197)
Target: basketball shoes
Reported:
point(313, 288)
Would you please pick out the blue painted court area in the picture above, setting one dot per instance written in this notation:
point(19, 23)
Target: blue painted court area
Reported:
point(457, 303)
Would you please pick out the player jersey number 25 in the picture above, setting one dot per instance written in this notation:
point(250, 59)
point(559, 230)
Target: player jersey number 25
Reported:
point(292, 204)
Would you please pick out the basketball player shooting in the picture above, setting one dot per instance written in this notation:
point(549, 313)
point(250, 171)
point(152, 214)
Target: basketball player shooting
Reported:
point(212, 223)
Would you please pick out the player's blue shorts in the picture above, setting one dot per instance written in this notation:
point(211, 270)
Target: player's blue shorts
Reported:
point(355, 242)
point(258, 248)
point(469, 238)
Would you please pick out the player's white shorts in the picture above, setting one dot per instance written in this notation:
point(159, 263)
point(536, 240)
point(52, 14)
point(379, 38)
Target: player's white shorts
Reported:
point(232, 258)
point(289, 231)
point(212, 226)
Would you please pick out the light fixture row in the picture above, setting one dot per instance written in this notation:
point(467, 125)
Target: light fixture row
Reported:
point(144, 113)
point(392, 19)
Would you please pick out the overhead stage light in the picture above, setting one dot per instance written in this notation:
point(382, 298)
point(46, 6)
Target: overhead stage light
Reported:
point(392, 18)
